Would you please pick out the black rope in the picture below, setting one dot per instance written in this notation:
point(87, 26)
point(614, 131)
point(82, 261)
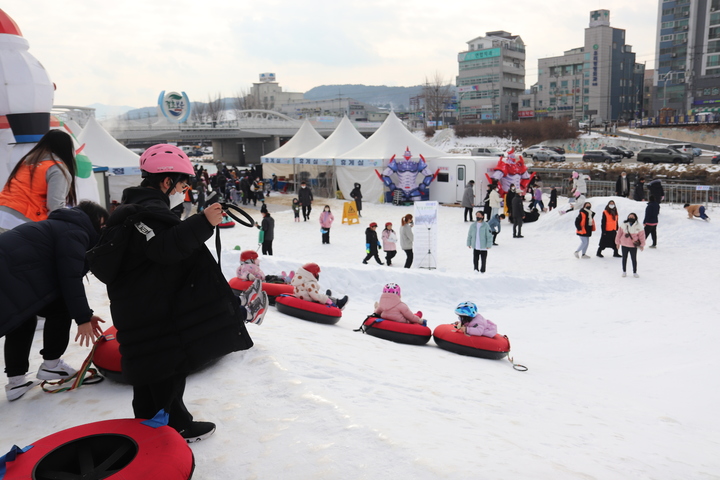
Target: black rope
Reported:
point(226, 208)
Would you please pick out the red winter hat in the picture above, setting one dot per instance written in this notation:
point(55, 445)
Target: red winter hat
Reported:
point(248, 255)
point(313, 268)
point(388, 224)
point(373, 224)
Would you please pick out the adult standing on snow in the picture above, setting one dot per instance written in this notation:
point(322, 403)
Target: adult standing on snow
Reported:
point(356, 195)
point(42, 265)
point(326, 220)
point(639, 192)
point(480, 239)
point(608, 229)
point(622, 186)
point(406, 238)
point(584, 225)
point(268, 228)
point(389, 243)
point(468, 200)
point(650, 222)
point(372, 244)
point(305, 198)
point(518, 212)
point(511, 193)
point(630, 236)
point(656, 190)
point(494, 201)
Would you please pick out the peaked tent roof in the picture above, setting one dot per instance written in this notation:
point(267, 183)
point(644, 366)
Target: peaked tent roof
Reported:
point(343, 139)
point(391, 139)
point(103, 150)
point(306, 139)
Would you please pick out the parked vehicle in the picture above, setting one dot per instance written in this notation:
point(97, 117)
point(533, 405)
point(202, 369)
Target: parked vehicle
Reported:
point(614, 151)
point(716, 159)
point(662, 155)
point(559, 150)
point(685, 148)
point(487, 152)
point(529, 151)
point(697, 152)
point(600, 156)
point(627, 153)
point(546, 155)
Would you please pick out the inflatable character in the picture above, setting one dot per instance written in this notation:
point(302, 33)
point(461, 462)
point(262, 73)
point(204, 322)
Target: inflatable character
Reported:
point(407, 171)
point(510, 170)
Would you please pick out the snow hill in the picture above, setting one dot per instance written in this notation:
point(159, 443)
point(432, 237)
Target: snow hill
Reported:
point(621, 381)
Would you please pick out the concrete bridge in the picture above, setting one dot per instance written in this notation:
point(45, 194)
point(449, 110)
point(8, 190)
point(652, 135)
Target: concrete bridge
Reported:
point(242, 141)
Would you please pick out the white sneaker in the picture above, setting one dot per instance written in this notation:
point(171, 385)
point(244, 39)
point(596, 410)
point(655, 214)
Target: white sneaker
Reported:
point(577, 254)
point(624, 274)
point(586, 256)
point(15, 390)
point(257, 309)
point(636, 275)
point(249, 295)
point(61, 371)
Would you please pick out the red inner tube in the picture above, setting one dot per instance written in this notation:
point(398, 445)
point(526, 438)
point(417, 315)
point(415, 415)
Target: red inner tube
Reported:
point(107, 353)
point(156, 453)
point(272, 289)
point(448, 338)
point(409, 333)
point(311, 311)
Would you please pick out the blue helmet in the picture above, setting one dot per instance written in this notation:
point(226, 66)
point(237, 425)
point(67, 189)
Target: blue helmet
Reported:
point(467, 309)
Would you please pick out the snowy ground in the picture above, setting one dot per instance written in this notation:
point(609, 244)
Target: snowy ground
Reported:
point(621, 380)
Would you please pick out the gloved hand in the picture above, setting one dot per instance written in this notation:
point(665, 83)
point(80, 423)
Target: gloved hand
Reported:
point(367, 248)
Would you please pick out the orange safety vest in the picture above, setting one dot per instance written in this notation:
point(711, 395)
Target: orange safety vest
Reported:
point(611, 223)
point(29, 197)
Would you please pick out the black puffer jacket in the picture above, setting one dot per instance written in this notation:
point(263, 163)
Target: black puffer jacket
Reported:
point(170, 302)
point(43, 261)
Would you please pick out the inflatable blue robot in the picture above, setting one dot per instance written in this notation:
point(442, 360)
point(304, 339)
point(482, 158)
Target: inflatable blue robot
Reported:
point(407, 171)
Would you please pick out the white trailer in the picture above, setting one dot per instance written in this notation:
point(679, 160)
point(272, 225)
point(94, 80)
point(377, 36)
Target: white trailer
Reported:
point(455, 173)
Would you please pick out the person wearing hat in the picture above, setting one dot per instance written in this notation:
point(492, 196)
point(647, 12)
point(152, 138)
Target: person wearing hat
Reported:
point(356, 195)
point(268, 228)
point(306, 287)
point(468, 200)
point(389, 243)
point(372, 244)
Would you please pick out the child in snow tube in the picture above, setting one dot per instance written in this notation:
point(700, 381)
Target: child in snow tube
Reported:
point(472, 323)
point(306, 287)
point(249, 270)
point(390, 307)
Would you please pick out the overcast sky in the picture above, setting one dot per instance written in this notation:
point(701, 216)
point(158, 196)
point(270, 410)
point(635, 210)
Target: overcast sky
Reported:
point(125, 52)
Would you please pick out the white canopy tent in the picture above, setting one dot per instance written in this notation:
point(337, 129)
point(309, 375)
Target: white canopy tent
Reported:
point(360, 163)
point(280, 161)
point(318, 162)
point(104, 151)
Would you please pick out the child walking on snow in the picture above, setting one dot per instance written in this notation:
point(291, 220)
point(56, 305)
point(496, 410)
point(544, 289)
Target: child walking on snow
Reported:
point(296, 209)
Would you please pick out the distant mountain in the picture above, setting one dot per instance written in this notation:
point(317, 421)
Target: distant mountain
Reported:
point(103, 112)
point(378, 95)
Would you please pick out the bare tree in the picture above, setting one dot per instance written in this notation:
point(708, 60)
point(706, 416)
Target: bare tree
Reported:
point(241, 102)
point(215, 109)
point(437, 94)
point(197, 114)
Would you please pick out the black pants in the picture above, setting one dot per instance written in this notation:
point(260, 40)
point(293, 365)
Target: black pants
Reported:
point(306, 209)
point(408, 258)
point(371, 254)
point(633, 256)
point(56, 336)
point(468, 214)
point(494, 234)
point(517, 229)
point(477, 255)
point(651, 231)
point(164, 394)
point(267, 247)
point(389, 255)
point(326, 235)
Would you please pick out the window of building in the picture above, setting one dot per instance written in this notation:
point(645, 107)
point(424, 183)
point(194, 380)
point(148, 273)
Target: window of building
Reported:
point(540, 103)
point(586, 82)
point(715, 18)
point(713, 61)
point(666, 38)
point(714, 32)
point(526, 103)
point(714, 47)
point(667, 24)
point(586, 99)
point(586, 91)
point(553, 85)
point(564, 83)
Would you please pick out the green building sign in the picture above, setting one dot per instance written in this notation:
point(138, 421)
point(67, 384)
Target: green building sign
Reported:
point(479, 54)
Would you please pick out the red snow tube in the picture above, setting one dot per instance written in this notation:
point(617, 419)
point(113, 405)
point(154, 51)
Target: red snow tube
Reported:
point(311, 311)
point(448, 338)
point(115, 449)
point(107, 356)
point(410, 333)
point(272, 289)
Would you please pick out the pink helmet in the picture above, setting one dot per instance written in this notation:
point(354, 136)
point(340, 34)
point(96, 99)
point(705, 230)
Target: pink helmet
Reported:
point(164, 158)
point(392, 288)
point(575, 175)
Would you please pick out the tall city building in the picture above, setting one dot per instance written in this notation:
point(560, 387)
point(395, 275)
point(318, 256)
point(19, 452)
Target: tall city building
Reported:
point(491, 77)
point(599, 79)
point(687, 73)
point(268, 95)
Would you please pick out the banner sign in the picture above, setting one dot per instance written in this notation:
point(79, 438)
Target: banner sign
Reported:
point(425, 244)
point(124, 171)
point(478, 55)
point(314, 161)
point(468, 88)
point(354, 162)
point(285, 161)
point(174, 106)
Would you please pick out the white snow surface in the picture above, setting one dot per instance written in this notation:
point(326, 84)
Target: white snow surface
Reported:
point(622, 378)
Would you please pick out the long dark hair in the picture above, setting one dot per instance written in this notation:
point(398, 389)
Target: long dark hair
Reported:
point(54, 142)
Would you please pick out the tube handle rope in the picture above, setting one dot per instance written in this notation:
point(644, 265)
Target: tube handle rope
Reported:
point(77, 380)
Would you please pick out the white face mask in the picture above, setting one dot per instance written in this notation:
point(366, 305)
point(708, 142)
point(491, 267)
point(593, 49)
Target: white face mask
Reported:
point(176, 198)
